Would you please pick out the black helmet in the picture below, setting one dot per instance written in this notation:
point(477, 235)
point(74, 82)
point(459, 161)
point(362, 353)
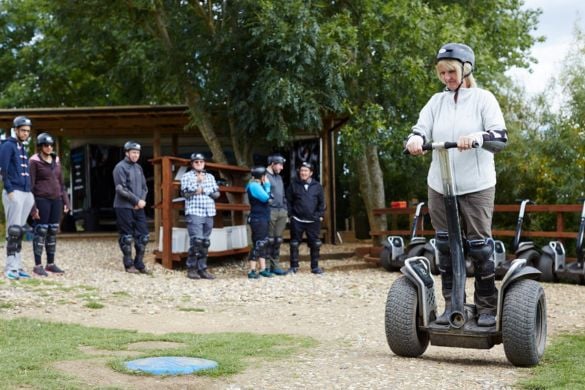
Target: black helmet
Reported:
point(131, 145)
point(197, 157)
point(276, 159)
point(457, 51)
point(21, 121)
point(306, 164)
point(45, 139)
point(258, 171)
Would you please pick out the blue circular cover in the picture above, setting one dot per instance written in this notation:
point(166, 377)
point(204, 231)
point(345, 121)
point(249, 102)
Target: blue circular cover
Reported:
point(170, 365)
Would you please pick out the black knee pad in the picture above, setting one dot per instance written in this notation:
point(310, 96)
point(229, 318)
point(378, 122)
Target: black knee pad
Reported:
point(259, 249)
point(140, 243)
point(271, 241)
point(40, 235)
point(14, 235)
point(278, 241)
point(481, 250)
point(125, 242)
point(295, 245)
point(52, 229)
point(442, 243)
point(315, 244)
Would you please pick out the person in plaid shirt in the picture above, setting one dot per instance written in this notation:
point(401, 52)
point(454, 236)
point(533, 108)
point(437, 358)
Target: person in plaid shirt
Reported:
point(200, 190)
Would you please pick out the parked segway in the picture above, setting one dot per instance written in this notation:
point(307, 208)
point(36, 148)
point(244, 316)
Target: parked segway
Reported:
point(411, 308)
point(525, 250)
point(572, 272)
point(394, 253)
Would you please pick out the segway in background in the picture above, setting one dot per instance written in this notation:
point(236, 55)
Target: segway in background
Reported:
point(394, 253)
point(524, 250)
point(572, 272)
point(411, 308)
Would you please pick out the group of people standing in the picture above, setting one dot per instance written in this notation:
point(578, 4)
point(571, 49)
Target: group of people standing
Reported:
point(32, 187)
point(302, 205)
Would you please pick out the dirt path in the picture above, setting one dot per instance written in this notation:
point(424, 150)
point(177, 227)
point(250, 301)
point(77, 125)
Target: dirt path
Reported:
point(343, 310)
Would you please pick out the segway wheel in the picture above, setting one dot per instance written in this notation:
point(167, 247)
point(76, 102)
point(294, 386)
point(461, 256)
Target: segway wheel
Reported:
point(545, 264)
point(402, 320)
point(385, 259)
point(524, 323)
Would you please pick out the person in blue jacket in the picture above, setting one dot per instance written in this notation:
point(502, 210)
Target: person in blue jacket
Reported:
point(258, 190)
point(17, 197)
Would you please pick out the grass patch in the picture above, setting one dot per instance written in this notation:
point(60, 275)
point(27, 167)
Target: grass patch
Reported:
point(192, 309)
point(561, 366)
point(121, 294)
point(94, 305)
point(27, 364)
point(6, 305)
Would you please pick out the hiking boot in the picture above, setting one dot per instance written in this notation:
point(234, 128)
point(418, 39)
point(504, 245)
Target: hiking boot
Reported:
point(145, 271)
point(293, 270)
point(52, 267)
point(12, 275)
point(206, 275)
point(253, 275)
point(132, 270)
point(193, 274)
point(278, 271)
point(22, 274)
point(317, 270)
point(39, 270)
point(486, 319)
point(266, 273)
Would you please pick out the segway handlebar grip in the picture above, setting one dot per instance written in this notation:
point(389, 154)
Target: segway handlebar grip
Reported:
point(441, 145)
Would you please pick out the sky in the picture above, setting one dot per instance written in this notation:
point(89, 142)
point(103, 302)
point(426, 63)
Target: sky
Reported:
point(556, 23)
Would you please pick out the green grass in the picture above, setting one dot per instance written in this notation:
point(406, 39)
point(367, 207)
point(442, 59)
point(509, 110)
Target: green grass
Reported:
point(94, 305)
point(561, 367)
point(29, 347)
point(192, 309)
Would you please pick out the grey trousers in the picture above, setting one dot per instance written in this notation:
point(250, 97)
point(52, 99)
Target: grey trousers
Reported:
point(16, 212)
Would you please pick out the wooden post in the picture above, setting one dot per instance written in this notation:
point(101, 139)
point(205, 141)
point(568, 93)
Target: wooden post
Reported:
point(167, 213)
point(326, 180)
point(156, 152)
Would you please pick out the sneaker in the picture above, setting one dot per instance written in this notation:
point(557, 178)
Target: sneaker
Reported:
point(22, 274)
point(317, 270)
point(132, 270)
point(278, 271)
point(39, 270)
point(293, 270)
point(486, 319)
point(52, 267)
point(193, 274)
point(206, 274)
point(253, 275)
point(12, 275)
point(266, 273)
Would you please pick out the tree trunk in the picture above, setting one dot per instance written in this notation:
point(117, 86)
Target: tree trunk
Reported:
point(371, 182)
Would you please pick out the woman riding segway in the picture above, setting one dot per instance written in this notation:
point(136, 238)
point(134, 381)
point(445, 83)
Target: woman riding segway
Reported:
point(469, 115)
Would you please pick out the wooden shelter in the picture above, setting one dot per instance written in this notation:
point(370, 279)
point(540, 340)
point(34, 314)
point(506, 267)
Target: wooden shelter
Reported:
point(163, 127)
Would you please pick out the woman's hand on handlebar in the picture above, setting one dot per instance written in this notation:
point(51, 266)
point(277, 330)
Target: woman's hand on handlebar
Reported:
point(414, 145)
point(469, 141)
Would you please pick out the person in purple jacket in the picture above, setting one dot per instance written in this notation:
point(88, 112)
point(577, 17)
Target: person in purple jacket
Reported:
point(50, 201)
point(16, 196)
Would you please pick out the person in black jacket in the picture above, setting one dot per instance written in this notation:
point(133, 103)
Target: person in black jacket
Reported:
point(129, 203)
point(306, 207)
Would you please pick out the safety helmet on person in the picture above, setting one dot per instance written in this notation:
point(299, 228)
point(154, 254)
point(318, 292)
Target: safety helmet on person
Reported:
point(258, 171)
point(197, 157)
point(457, 51)
point(21, 121)
point(276, 159)
point(45, 139)
point(132, 145)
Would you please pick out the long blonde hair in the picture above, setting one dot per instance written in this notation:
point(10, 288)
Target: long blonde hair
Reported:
point(468, 82)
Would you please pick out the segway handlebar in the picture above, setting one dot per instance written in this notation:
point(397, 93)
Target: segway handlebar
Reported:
point(441, 145)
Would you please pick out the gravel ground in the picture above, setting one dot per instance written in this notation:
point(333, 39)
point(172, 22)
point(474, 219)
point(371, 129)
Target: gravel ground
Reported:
point(342, 309)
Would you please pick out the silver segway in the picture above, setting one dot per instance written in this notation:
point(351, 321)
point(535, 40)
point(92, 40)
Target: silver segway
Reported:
point(411, 308)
